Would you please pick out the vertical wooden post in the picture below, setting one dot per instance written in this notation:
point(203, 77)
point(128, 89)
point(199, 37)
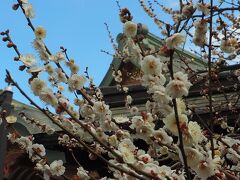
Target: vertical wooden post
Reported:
point(6, 107)
point(3, 146)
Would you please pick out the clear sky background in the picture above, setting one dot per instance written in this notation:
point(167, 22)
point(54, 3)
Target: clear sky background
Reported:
point(78, 25)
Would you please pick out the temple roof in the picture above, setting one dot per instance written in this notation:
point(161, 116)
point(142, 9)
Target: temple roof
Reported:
point(26, 128)
point(152, 40)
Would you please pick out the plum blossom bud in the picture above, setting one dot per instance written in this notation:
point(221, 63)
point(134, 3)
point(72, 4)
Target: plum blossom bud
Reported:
point(129, 99)
point(5, 39)
point(10, 44)
point(15, 7)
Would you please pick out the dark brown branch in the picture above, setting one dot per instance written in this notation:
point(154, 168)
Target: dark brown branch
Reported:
point(181, 145)
point(210, 77)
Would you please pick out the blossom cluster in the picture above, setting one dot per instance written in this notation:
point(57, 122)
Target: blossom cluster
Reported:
point(174, 144)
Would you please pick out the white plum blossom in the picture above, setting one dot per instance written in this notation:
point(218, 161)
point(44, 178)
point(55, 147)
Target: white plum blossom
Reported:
point(12, 137)
point(151, 168)
point(144, 132)
point(206, 168)
point(60, 75)
point(130, 29)
point(204, 8)
point(82, 173)
point(73, 66)
point(34, 69)
point(59, 56)
point(176, 89)
point(24, 1)
point(64, 139)
point(87, 112)
point(39, 45)
point(49, 69)
point(151, 65)
point(134, 110)
point(146, 158)
point(100, 108)
point(161, 136)
point(196, 132)
point(187, 10)
point(229, 45)
point(137, 121)
point(194, 157)
point(117, 76)
point(159, 94)
point(113, 141)
point(126, 148)
point(129, 100)
point(29, 12)
point(182, 77)
point(165, 171)
point(201, 27)
point(28, 60)
point(132, 52)
point(121, 119)
point(181, 106)
point(42, 166)
point(11, 119)
point(76, 82)
point(175, 40)
point(37, 85)
point(179, 86)
point(36, 151)
point(171, 124)
point(48, 97)
point(199, 40)
point(40, 32)
point(24, 142)
point(57, 168)
point(151, 80)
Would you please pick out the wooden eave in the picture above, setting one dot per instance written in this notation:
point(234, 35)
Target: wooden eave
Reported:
point(229, 83)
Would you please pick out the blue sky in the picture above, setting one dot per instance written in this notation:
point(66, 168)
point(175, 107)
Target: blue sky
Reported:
point(78, 25)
